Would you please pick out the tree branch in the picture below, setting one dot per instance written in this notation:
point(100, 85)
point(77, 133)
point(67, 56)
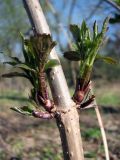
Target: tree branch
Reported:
point(113, 4)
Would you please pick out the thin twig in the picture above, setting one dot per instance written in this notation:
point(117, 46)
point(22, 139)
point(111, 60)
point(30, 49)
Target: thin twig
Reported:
point(102, 132)
point(101, 128)
point(113, 4)
point(71, 10)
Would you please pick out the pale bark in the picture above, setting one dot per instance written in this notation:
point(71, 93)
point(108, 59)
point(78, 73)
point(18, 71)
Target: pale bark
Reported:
point(68, 123)
point(102, 132)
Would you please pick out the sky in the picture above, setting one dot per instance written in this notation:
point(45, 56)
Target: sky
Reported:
point(81, 11)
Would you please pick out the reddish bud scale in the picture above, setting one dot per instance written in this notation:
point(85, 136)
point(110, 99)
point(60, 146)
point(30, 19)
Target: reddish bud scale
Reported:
point(43, 115)
point(46, 103)
point(82, 88)
point(79, 96)
point(88, 102)
point(43, 86)
point(49, 105)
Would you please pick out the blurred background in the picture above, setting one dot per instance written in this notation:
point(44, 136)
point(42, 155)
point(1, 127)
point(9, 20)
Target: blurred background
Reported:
point(31, 139)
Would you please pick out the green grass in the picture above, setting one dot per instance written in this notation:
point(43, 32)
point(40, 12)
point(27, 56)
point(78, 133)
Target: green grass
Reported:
point(109, 99)
point(91, 133)
point(18, 147)
point(50, 152)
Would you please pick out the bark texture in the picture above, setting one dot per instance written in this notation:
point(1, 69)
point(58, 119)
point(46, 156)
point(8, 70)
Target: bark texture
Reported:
point(68, 123)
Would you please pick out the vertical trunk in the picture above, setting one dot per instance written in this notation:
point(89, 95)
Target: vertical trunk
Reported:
point(68, 123)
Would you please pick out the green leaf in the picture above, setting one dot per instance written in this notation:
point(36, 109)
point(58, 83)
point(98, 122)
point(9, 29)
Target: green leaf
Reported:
point(51, 63)
point(75, 30)
point(83, 27)
point(104, 27)
point(74, 47)
point(106, 59)
point(14, 74)
point(22, 36)
point(88, 35)
point(15, 59)
point(10, 63)
point(26, 51)
point(95, 30)
point(72, 56)
point(25, 110)
point(25, 67)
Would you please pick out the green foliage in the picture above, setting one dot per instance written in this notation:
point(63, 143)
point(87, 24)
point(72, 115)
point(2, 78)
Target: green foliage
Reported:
point(25, 110)
point(106, 59)
point(86, 47)
point(36, 52)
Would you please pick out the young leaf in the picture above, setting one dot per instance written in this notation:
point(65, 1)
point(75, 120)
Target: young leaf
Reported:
point(23, 110)
point(83, 26)
point(15, 59)
point(95, 30)
point(42, 44)
point(51, 63)
point(26, 51)
point(25, 67)
point(75, 30)
point(83, 29)
point(14, 74)
point(72, 56)
point(21, 36)
point(26, 109)
point(104, 27)
point(106, 59)
point(10, 63)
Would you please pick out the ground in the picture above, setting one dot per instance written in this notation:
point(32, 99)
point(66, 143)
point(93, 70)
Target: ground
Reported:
point(27, 138)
